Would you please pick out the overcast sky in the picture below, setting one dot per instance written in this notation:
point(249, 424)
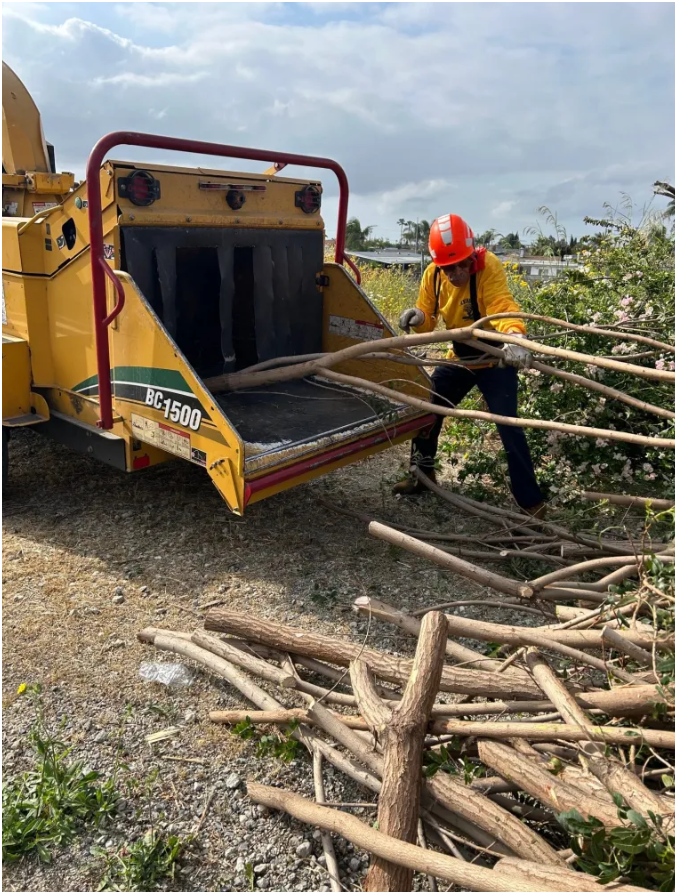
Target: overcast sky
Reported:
point(482, 109)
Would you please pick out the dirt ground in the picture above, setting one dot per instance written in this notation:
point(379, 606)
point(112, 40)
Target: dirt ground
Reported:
point(91, 556)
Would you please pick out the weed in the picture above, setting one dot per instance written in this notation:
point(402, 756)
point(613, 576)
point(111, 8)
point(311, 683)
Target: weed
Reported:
point(143, 865)
point(640, 849)
point(282, 746)
point(44, 808)
point(324, 597)
point(442, 760)
point(249, 873)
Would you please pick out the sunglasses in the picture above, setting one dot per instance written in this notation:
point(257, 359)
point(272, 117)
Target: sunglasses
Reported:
point(450, 269)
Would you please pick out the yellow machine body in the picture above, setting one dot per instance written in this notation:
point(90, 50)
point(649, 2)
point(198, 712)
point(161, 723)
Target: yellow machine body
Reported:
point(220, 271)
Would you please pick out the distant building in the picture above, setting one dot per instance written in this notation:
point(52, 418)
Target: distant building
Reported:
point(392, 257)
point(539, 268)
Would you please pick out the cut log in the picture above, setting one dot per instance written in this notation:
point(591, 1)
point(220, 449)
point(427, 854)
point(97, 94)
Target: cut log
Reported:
point(401, 731)
point(465, 875)
point(326, 648)
point(248, 662)
point(624, 500)
point(542, 785)
point(546, 732)
point(451, 563)
point(580, 639)
point(616, 640)
point(544, 874)
point(537, 732)
point(472, 808)
point(374, 608)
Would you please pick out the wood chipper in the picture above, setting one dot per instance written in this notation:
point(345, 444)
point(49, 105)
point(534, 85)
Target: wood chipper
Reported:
point(123, 295)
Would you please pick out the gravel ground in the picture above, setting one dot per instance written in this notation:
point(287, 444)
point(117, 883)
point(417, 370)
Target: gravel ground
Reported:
point(92, 555)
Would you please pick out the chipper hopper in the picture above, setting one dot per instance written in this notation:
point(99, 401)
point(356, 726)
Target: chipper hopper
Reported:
point(123, 300)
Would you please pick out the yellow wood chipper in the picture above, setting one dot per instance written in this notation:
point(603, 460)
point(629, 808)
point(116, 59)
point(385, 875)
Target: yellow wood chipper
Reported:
point(124, 294)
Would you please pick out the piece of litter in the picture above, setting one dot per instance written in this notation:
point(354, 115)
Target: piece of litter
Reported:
point(161, 734)
point(168, 674)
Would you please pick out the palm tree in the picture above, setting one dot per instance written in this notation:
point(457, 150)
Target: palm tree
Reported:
point(424, 232)
point(512, 240)
point(401, 223)
point(356, 236)
point(661, 188)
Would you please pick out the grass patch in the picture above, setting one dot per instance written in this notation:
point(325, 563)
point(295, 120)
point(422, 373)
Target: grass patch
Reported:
point(45, 808)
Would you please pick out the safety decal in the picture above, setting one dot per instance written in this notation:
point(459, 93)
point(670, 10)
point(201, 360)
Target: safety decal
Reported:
point(43, 206)
point(198, 456)
point(108, 252)
point(357, 329)
point(61, 241)
point(173, 440)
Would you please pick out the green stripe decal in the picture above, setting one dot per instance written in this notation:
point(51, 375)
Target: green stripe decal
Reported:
point(141, 375)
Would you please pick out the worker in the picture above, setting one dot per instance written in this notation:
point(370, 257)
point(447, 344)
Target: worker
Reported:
point(461, 285)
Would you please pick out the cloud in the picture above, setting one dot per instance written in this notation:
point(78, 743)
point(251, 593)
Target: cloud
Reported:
point(504, 208)
point(488, 109)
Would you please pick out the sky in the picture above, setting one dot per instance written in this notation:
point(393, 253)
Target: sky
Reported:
point(487, 110)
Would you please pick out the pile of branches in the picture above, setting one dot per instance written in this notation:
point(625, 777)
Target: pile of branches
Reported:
point(589, 744)
point(398, 350)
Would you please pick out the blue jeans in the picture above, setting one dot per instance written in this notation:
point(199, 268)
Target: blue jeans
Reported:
point(499, 389)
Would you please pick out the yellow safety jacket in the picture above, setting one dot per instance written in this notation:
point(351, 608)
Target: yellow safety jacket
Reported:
point(437, 298)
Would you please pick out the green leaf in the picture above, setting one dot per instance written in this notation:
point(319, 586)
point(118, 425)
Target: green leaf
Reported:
point(637, 819)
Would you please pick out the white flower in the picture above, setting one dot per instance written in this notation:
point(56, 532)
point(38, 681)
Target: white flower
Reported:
point(647, 467)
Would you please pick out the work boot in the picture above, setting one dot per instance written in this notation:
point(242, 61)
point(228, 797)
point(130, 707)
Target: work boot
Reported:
point(537, 511)
point(411, 486)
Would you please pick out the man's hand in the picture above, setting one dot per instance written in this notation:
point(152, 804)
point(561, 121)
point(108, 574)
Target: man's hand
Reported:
point(516, 355)
point(411, 317)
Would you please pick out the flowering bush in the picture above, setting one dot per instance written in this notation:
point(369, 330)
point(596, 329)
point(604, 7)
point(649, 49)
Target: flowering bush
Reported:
point(626, 282)
point(391, 289)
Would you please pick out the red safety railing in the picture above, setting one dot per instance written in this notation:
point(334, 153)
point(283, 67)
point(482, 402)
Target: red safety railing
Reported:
point(101, 270)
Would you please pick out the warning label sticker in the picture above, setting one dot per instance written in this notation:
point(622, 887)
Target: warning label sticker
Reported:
point(173, 440)
point(357, 329)
point(43, 206)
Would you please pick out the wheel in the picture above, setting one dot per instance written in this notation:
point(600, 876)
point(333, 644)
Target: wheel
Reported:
point(5, 454)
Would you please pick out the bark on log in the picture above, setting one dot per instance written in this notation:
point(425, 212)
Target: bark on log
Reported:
point(531, 637)
point(542, 785)
point(536, 731)
point(472, 812)
point(452, 563)
point(466, 875)
point(366, 605)
point(248, 662)
point(562, 574)
point(543, 874)
point(624, 500)
point(546, 732)
point(570, 711)
point(616, 778)
point(401, 732)
point(615, 640)
point(509, 634)
point(302, 642)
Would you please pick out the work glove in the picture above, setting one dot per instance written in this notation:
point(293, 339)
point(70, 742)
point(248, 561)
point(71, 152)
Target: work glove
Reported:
point(411, 317)
point(516, 355)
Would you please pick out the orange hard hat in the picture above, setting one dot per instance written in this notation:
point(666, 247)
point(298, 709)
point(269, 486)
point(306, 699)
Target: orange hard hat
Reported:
point(451, 240)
